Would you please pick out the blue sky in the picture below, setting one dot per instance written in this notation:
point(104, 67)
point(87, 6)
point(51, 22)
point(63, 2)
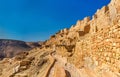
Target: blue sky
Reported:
point(35, 20)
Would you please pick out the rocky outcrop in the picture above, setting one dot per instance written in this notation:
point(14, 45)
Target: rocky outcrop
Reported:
point(96, 41)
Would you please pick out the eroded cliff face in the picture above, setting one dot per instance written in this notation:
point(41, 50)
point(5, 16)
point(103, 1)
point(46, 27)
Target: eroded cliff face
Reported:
point(91, 48)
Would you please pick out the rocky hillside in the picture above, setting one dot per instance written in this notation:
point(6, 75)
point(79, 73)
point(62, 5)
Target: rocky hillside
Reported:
point(91, 48)
point(10, 48)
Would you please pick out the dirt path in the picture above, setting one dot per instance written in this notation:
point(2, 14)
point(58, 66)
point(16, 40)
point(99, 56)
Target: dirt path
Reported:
point(70, 70)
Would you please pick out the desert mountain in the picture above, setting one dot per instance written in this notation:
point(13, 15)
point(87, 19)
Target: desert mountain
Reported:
point(10, 48)
point(91, 48)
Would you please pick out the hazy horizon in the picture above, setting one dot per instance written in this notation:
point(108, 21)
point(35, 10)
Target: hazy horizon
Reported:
point(36, 20)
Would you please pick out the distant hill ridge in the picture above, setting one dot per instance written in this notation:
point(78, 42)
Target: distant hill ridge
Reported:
point(9, 48)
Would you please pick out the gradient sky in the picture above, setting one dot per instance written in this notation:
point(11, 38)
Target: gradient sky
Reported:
point(35, 20)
